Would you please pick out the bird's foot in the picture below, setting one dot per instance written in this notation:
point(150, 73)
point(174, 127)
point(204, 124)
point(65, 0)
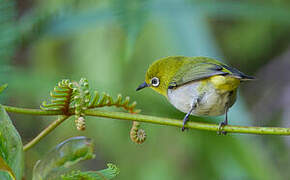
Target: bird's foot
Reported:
point(184, 122)
point(194, 105)
point(220, 129)
point(183, 128)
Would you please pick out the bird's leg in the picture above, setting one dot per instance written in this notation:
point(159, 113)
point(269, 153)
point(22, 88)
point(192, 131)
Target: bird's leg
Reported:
point(185, 119)
point(193, 106)
point(224, 123)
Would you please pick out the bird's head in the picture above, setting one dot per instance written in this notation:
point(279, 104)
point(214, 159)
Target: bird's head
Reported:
point(160, 73)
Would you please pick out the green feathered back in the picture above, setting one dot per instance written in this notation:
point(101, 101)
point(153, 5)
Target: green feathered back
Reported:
point(175, 71)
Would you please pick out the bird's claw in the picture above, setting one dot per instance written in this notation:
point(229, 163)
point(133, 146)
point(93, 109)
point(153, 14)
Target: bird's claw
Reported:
point(183, 128)
point(220, 129)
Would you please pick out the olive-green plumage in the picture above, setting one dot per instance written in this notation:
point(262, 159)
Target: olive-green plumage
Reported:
point(180, 69)
point(195, 85)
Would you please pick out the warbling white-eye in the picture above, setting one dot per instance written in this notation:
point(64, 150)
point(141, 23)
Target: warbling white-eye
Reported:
point(198, 86)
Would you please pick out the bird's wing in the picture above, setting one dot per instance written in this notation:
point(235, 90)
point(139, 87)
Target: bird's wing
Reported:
point(192, 72)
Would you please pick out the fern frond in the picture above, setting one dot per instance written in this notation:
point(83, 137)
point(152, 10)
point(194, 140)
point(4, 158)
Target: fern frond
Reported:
point(61, 97)
point(106, 100)
point(81, 99)
point(104, 174)
point(137, 135)
point(71, 95)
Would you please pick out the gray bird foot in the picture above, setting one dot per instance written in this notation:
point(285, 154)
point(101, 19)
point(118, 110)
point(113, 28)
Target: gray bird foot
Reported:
point(220, 129)
point(185, 119)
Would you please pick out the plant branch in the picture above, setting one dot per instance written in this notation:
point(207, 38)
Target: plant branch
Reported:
point(45, 132)
point(32, 111)
point(190, 124)
point(157, 120)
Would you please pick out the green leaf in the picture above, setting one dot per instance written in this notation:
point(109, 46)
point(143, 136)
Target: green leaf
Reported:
point(62, 157)
point(3, 87)
point(109, 173)
point(4, 167)
point(11, 149)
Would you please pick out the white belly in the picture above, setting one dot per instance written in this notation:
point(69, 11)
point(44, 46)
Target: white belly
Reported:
point(212, 103)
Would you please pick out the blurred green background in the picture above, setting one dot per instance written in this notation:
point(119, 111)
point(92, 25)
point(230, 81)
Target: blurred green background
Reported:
point(112, 43)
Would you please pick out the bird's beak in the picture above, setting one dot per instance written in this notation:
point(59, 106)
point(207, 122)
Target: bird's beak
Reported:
point(141, 86)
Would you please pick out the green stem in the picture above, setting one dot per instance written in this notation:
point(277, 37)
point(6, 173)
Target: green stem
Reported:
point(159, 120)
point(190, 124)
point(31, 111)
point(45, 132)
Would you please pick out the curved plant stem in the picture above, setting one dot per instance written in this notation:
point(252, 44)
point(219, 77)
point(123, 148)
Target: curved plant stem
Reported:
point(45, 132)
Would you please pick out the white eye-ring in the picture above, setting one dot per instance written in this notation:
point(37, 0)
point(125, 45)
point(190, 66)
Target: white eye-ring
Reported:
point(155, 82)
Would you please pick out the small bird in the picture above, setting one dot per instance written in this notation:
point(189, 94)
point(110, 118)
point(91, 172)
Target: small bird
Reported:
point(199, 86)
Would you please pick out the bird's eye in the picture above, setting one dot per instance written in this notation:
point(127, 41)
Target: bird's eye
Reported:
point(155, 82)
